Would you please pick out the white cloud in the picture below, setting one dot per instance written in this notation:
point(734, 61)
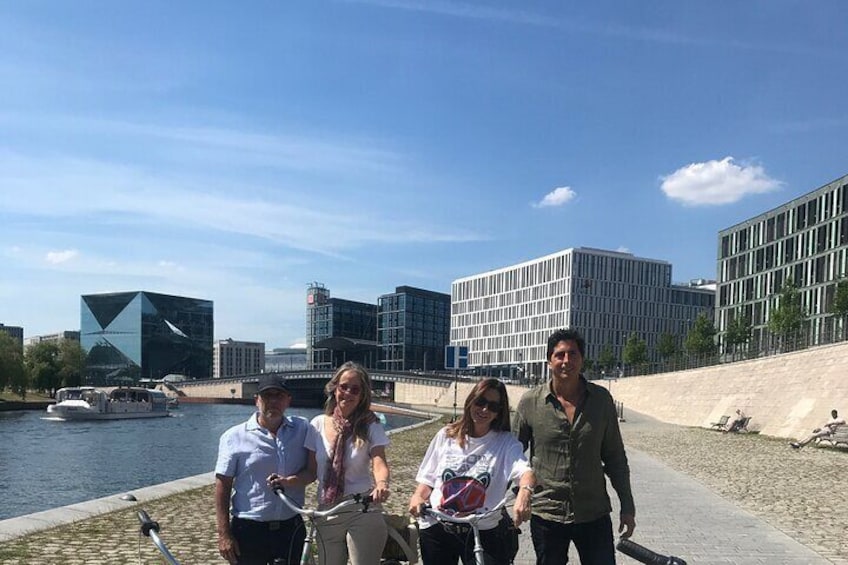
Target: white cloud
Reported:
point(556, 197)
point(623, 249)
point(716, 182)
point(57, 257)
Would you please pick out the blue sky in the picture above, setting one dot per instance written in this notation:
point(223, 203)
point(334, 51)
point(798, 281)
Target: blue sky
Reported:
point(238, 151)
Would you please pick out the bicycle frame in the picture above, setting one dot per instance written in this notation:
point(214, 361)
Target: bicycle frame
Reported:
point(472, 520)
point(310, 515)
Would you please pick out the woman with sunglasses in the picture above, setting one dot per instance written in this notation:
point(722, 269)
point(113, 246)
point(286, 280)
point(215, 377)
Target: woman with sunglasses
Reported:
point(469, 465)
point(348, 441)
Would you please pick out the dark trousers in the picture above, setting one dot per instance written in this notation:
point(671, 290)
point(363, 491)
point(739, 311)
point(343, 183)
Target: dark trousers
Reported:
point(441, 545)
point(260, 543)
point(593, 541)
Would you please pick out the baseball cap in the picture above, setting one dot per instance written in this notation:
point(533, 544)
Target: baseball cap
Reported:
point(272, 382)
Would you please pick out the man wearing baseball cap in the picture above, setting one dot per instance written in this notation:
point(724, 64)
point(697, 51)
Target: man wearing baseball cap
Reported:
point(254, 525)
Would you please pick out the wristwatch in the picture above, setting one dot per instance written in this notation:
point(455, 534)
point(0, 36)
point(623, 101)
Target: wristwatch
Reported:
point(528, 488)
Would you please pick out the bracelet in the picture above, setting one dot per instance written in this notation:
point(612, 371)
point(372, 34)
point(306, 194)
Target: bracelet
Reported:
point(383, 481)
point(528, 488)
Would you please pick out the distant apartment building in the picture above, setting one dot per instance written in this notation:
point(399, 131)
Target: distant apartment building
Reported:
point(231, 358)
point(132, 335)
point(285, 359)
point(804, 241)
point(53, 338)
point(339, 330)
point(505, 316)
point(15, 332)
point(413, 329)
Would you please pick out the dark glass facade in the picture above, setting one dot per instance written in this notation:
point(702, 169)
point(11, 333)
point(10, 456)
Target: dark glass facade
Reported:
point(413, 329)
point(133, 335)
point(339, 330)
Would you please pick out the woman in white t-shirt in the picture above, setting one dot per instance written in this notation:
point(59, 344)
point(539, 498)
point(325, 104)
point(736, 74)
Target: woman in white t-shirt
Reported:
point(348, 440)
point(467, 467)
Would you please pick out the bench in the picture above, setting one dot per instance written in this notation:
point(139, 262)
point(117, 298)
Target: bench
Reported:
point(721, 423)
point(741, 426)
point(837, 437)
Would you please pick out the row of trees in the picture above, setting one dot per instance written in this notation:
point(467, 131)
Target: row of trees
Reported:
point(45, 366)
point(786, 323)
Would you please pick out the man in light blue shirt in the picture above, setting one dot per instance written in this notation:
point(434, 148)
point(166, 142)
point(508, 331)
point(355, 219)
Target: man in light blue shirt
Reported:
point(254, 525)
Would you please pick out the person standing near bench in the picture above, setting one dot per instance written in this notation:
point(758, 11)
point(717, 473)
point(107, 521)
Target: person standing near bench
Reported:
point(824, 431)
point(735, 424)
point(262, 528)
point(571, 428)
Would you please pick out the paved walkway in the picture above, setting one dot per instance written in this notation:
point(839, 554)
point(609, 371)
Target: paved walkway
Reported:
point(679, 516)
point(675, 513)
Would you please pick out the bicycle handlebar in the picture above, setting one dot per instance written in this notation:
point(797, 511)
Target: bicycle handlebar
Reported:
point(150, 529)
point(364, 500)
point(472, 518)
point(644, 555)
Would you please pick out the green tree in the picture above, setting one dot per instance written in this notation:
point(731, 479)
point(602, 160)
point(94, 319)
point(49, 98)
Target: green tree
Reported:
point(839, 308)
point(12, 373)
point(606, 359)
point(738, 333)
point(667, 346)
point(635, 352)
point(788, 318)
point(71, 362)
point(43, 363)
point(700, 341)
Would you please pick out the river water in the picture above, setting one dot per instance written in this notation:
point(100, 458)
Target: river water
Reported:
point(46, 464)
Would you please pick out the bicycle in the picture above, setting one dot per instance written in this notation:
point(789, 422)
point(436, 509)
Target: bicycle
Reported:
point(150, 529)
point(644, 555)
point(407, 546)
point(472, 520)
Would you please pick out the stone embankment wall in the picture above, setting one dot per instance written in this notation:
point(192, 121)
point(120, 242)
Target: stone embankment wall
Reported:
point(442, 397)
point(786, 395)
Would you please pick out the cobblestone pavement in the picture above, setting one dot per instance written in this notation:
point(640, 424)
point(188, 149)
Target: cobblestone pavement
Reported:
point(801, 493)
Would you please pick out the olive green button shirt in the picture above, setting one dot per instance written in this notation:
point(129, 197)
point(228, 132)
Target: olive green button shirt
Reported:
point(570, 460)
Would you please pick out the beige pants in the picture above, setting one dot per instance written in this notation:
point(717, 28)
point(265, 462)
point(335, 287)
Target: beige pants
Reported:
point(352, 535)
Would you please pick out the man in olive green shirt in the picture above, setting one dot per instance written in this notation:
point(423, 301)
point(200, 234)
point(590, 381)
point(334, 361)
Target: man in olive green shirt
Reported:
point(571, 428)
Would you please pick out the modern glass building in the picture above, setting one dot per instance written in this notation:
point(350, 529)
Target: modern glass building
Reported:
point(413, 329)
point(804, 241)
point(339, 330)
point(505, 316)
point(134, 335)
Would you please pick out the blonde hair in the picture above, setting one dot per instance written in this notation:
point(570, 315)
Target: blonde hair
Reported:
point(362, 416)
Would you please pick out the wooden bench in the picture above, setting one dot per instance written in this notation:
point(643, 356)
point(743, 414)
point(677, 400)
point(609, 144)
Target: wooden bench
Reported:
point(837, 437)
point(721, 423)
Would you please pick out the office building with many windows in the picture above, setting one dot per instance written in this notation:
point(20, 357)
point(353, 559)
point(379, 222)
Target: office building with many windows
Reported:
point(68, 335)
point(505, 316)
point(413, 329)
point(339, 330)
point(804, 241)
point(15, 332)
point(231, 358)
point(133, 335)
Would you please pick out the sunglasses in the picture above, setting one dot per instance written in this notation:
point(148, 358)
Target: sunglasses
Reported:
point(350, 389)
point(490, 405)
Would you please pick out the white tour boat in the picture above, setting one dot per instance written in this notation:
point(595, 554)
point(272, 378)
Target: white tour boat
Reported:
point(89, 403)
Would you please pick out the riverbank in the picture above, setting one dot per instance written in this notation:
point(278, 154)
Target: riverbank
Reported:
point(798, 492)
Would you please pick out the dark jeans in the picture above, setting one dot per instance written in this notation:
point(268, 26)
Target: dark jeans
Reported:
point(262, 542)
point(593, 541)
point(442, 545)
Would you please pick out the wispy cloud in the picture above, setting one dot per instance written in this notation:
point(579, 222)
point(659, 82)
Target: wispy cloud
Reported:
point(56, 257)
point(595, 28)
point(557, 197)
point(713, 183)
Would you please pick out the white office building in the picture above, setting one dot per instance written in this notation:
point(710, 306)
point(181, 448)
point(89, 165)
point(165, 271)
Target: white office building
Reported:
point(231, 358)
point(804, 241)
point(505, 316)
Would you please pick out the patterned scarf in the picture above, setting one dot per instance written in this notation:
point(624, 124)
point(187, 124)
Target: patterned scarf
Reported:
point(334, 476)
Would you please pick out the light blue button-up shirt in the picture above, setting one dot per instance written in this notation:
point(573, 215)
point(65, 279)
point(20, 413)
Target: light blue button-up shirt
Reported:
point(249, 453)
